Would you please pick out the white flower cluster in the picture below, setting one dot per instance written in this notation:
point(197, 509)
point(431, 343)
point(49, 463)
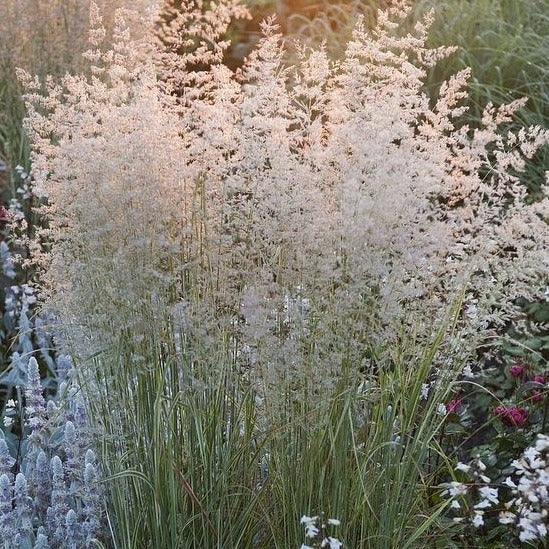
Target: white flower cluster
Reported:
point(529, 509)
point(487, 496)
point(315, 531)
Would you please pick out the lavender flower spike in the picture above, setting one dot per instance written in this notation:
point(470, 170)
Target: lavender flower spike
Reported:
point(23, 506)
point(35, 403)
point(6, 461)
point(41, 542)
point(7, 516)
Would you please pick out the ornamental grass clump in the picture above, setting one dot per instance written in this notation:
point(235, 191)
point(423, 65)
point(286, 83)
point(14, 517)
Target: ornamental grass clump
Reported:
point(259, 271)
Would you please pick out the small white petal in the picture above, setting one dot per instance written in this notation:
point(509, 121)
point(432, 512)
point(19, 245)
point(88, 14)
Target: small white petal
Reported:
point(478, 519)
point(463, 467)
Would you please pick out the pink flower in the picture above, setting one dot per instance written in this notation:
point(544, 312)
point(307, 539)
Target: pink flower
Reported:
point(539, 379)
point(516, 370)
point(536, 397)
point(500, 411)
point(4, 215)
point(512, 416)
point(517, 416)
point(453, 405)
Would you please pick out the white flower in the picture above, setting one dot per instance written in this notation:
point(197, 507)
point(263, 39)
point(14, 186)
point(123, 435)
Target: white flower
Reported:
point(506, 517)
point(332, 543)
point(542, 443)
point(311, 530)
point(527, 533)
point(454, 489)
point(468, 372)
point(509, 482)
point(334, 522)
point(518, 464)
point(491, 494)
point(463, 467)
point(441, 409)
point(483, 504)
point(532, 455)
point(478, 519)
point(307, 520)
point(8, 421)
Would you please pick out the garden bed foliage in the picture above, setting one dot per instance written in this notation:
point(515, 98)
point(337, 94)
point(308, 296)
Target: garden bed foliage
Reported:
point(283, 288)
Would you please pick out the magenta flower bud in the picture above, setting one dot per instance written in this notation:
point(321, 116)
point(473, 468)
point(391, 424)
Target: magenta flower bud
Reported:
point(512, 416)
point(517, 416)
point(516, 370)
point(453, 405)
point(539, 379)
point(500, 411)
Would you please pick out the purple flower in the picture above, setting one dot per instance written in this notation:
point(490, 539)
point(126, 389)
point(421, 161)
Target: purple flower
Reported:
point(512, 415)
point(516, 370)
point(6, 461)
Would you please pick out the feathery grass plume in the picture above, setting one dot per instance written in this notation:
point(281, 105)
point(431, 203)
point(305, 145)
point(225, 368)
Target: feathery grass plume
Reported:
point(366, 213)
point(45, 38)
point(190, 39)
point(118, 112)
point(361, 198)
point(387, 247)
